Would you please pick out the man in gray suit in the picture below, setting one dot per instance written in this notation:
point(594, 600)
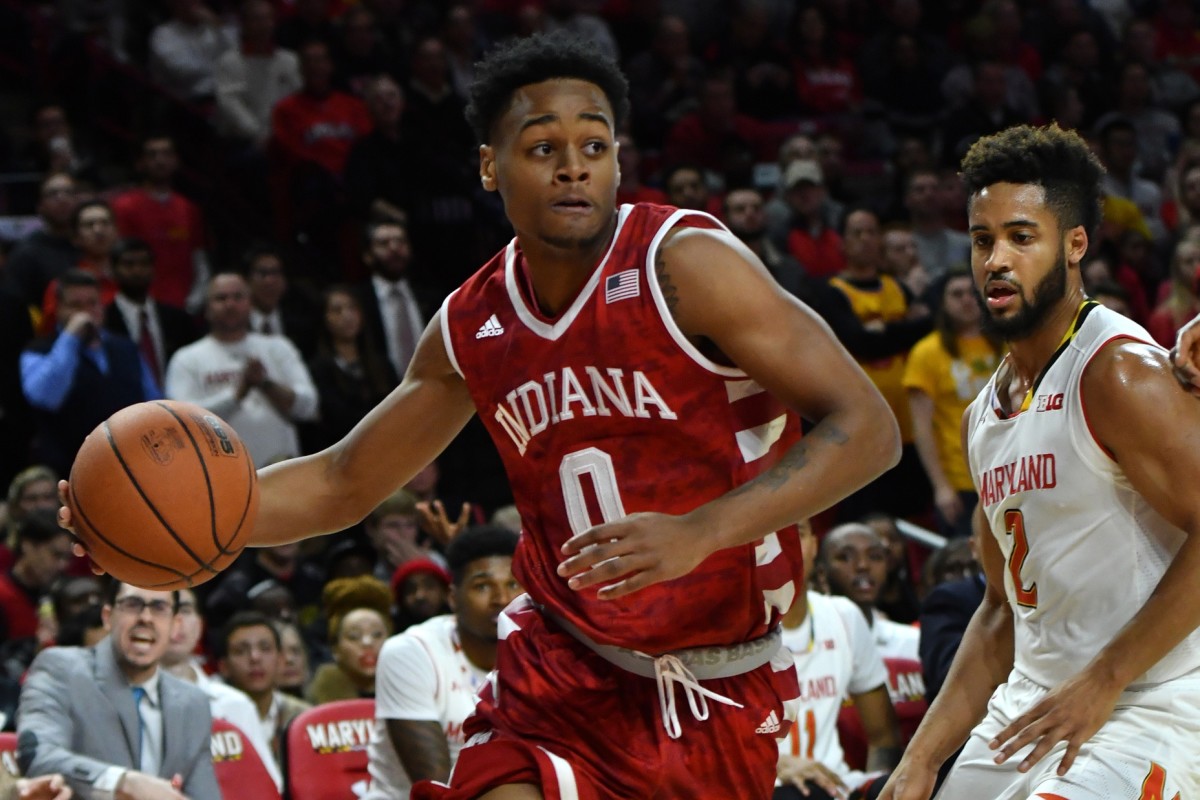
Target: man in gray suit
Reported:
point(106, 717)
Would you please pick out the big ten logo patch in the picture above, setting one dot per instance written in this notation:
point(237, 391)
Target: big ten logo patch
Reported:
point(9, 761)
point(342, 736)
point(1050, 402)
point(226, 746)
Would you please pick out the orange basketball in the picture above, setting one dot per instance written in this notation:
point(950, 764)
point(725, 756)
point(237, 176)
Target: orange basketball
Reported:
point(163, 495)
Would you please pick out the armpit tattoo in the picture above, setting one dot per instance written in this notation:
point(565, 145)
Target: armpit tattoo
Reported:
point(669, 292)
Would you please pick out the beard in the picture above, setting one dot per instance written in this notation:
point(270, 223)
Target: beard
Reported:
point(1049, 291)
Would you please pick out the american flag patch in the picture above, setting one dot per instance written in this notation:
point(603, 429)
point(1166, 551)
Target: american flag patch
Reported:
point(622, 286)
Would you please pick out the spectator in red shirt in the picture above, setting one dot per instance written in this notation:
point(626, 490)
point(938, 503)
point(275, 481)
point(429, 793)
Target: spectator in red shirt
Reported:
point(317, 125)
point(43, 552)
point(170, 223)
point(811, 241)
point(706, 136)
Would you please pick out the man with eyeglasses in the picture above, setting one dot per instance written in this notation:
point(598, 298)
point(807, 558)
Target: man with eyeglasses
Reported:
point(107, 718)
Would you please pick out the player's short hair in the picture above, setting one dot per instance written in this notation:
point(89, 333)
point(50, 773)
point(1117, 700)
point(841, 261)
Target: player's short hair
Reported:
point(538, 58)
point(246, 619)
point(474, 543)
point(1057, 160)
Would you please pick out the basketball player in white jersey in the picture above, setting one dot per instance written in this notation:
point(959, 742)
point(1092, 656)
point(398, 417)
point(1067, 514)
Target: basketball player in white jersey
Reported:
point(1086, 456)
point(836, 660)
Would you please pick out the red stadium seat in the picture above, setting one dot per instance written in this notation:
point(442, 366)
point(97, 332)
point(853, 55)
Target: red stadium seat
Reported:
point(8, 753)
point(326, 752)
point(240, 769)
point(906, 685)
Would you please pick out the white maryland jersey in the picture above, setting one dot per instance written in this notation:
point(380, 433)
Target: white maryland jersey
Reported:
point(423, 675)
point(835, 658)
point(1082, 549)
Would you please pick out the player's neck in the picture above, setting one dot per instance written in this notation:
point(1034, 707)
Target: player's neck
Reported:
point(1029, 355)
point(480, 652)
point(556, 274)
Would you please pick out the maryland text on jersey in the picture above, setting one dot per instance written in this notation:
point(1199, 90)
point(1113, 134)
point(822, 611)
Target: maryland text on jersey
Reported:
point(1027, 473)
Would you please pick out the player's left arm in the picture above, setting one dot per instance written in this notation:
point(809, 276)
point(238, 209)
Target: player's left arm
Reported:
point(718, 292)
point(1136, 411)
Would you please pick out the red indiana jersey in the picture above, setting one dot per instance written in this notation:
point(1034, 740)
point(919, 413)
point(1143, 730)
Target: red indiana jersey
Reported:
point(609, 410)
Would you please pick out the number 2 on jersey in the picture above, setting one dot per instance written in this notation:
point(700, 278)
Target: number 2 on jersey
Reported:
point(1014, 525)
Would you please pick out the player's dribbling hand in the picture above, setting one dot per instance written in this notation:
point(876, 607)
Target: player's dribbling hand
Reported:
point(64, 522)
point(632, 553)
point(910, 781)
point(1072, 712)
point(1185, 356)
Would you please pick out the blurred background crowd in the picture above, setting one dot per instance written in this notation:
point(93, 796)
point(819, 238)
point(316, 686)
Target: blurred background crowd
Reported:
point(258, 205)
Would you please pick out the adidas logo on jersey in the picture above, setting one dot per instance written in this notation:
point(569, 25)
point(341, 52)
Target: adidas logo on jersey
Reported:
point(770, 724)
point(490, 328)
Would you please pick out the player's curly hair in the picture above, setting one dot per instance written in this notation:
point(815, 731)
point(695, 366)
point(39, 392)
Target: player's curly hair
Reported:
point(1057, 160)
point(343, 595)
point(535, 59)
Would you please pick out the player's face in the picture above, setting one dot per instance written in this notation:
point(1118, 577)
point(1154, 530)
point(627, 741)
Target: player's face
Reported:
point(424, 596)
point(140, 623)
point(857, 565)
point(487, 587)
point(252, 660)
point(189, 626)
point(553, 161)
point(1019, 258)
point(357, 648)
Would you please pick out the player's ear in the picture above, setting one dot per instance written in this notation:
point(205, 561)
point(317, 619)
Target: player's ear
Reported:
point(487, 167)
point(1076, 245)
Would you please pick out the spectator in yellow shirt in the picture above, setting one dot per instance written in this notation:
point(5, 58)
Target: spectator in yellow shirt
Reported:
point(945, 371)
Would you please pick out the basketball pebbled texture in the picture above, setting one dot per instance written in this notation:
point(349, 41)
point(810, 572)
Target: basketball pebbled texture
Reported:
point(164, 495)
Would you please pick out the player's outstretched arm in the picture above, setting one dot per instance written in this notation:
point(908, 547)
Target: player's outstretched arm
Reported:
point(334, 489)
point(982, 663)
point(720, 295)
point(1152, 429)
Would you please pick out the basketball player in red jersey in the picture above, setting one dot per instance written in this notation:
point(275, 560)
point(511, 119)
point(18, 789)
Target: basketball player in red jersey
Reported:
point(643, 378)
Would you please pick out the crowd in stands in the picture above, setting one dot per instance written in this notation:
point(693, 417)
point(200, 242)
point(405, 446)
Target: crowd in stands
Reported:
point(257, 206)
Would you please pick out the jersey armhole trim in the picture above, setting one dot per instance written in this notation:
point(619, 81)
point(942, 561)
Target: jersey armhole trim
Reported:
point(660, 303)
point(447, 339)
point(1083, 401)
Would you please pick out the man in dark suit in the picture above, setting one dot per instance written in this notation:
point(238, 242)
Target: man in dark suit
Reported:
point(945, 613)
point(394, 309)
point(81, 375)
point(278, 307)
point(112, 722)
point(156, 328)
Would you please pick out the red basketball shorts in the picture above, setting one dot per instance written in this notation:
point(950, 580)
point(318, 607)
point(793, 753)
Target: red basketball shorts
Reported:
point(557, 715)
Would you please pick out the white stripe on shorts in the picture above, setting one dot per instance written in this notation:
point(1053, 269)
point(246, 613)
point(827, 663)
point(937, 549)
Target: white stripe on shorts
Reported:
point(567, 788)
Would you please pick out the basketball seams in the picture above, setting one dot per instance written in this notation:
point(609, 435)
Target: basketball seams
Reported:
point(149, 505)
point(212, 506)
point(77, 507)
